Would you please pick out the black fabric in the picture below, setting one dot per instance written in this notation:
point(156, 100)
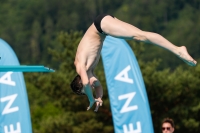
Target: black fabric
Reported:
point(97, 22)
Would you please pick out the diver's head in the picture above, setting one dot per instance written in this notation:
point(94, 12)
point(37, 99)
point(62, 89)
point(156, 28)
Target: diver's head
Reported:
point(77, 86)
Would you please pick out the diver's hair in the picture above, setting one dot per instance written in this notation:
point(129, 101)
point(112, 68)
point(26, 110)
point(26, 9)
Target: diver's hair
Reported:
point(76, 85)
point(168, 120)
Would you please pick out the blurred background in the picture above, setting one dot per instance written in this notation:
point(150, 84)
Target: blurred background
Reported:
point(47, 32)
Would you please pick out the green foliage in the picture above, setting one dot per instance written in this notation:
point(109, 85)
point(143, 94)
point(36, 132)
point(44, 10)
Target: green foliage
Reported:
point(173, 94)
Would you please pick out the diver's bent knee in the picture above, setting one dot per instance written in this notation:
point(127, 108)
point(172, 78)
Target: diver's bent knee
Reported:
point(141, 37)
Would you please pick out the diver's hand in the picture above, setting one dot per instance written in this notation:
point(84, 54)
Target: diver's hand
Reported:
point(98, 101)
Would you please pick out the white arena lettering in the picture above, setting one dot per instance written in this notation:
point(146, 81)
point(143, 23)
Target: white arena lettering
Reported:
point(131, 129)
point(10, 100)
point(6, 79)
point(11, 128)
point(126, 107)
point(123, 75)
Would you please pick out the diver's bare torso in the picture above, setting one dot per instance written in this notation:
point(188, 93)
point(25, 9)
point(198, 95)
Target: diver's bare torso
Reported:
point(89, 48)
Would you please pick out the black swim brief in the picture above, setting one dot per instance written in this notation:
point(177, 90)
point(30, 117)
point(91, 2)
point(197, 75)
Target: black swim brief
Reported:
point(97, 22)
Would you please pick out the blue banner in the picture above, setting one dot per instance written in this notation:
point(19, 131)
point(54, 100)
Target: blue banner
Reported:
point(14, 107)
point(127, 93)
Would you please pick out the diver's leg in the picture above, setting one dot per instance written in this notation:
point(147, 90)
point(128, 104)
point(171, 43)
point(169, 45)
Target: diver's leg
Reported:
point(117, 28)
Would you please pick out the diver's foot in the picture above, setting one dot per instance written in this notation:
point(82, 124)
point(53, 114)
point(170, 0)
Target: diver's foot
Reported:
point(183, 54)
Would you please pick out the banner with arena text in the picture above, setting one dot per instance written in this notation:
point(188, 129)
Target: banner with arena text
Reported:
point(127, 92)
point(14, 107)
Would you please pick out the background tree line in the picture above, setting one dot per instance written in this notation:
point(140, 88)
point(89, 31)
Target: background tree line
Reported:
point(48, 32)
